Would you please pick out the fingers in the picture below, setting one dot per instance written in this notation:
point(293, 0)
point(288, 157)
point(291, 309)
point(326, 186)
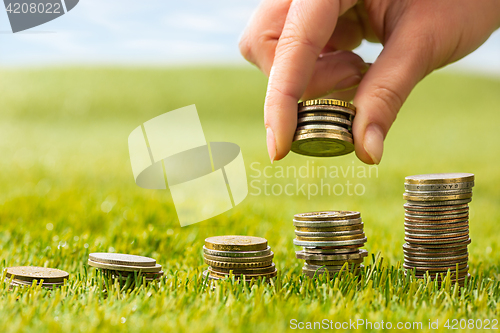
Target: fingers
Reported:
point(259, 40)
point(307, 29)
point(405, 60)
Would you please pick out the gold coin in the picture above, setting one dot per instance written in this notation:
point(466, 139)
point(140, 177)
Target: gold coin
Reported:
point(322, 144)
point(440, 178)
point(236, 243)
point(125, 268)
point(244, 271)
point(237, 265)
point(240, 259)
point(327, 101)
point(342, 133)
point(329, 215)
point(30, 273)
point(437, 198)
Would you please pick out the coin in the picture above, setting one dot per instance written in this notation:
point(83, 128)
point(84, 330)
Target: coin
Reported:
point(122, 259)
point(333, 250)
point(438, 187)
point(306, 128)
point(433, 222)
point(322, 268)
point(434, 209)
point(125, 268)
point(436, 198)
point(326, 102)
point(438, 203)
point(309, 256)
point(327, 224)
point(329, 243)
point(437, 217)
point(333, 239)
point(332, 229)
point(328, 233)
point(322, 144)
point(236, 243)
point(436, 241)
point(333, 262)
point(437, 259)
point(439, 248)
point(436, 232)
point(440, 178)
point(438, 236)
point(237, 265)
point(325, 113)
point(31, 273)
point(461, 268)
point(439, 193)
point(434, 213)
point(333, 119)
point(248, 275)
point(334, 215)
point(431, 226)
point(240, 259)
point(237, 254)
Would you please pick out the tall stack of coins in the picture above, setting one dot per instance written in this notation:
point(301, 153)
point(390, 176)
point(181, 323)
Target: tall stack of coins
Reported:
point(125, 267)
point(330, 239)
point(246, 256)
point(48, 278)
point(437, 224)
point(324, 128)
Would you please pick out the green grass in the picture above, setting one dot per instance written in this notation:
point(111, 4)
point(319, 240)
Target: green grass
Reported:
point(63, 148)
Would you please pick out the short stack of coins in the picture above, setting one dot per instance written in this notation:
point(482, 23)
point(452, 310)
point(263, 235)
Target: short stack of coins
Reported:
point(48, 278)
point(123, 267)
point(330, 239)
point(245, 256)
point(437, 225)
point(324, 128)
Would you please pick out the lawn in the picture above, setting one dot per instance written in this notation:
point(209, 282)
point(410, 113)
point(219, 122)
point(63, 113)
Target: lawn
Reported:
point(67, 190)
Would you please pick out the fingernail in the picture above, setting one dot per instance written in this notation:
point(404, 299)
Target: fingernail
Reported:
point(374, 142)
point(271, 144)
point(348, 83)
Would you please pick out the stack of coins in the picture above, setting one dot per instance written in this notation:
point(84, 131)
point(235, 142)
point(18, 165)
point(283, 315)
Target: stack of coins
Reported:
point(437, 224)
point(324, 128)
point(48, 278)
point(330, 239)
point(245, 256)
point(125, 267)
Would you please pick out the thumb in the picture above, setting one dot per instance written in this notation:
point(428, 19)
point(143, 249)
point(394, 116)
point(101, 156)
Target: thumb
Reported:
point(404, 61)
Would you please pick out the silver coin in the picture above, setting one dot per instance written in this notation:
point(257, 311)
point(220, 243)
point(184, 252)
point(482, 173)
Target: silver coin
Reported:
point(436, 209)
point(437, 242)
point(334, 257)
point(324, 119)
point(353, 249)
point(439, 193)
point(331, 108)
point(438, 236)
point(438, 203)
point(237, 254)
point(434, 213)
point(268, 257)
point(435, 259)
point(439, 249)
point(122, 259)
point(328, 233)
point(329, 243)
point(437, 226)
point(437, 217)
point(438, 187)
point(307, 127)
point(126, 268)
point(440, 178)
point(319, 224)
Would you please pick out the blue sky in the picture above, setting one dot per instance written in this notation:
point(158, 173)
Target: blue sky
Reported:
point(153, 32)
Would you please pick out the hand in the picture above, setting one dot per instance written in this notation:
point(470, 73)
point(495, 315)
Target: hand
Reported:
point(304, 47)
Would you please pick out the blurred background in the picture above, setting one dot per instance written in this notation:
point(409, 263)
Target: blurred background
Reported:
point(73, 89)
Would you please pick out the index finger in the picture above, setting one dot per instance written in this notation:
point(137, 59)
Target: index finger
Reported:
point(308, 27)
